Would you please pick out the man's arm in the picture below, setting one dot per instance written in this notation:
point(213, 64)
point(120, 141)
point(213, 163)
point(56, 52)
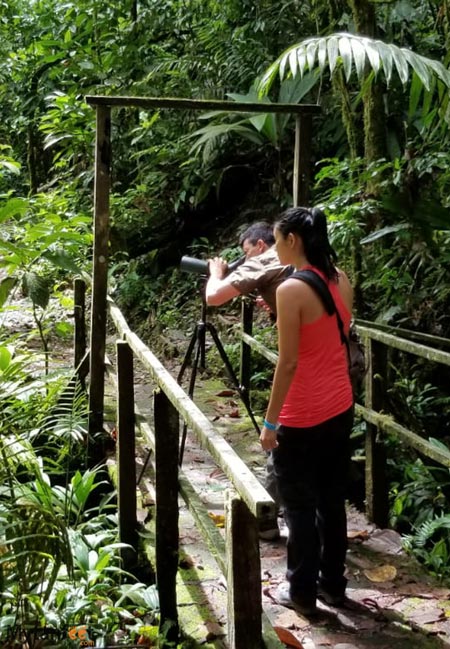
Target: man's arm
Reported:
point(218, 288)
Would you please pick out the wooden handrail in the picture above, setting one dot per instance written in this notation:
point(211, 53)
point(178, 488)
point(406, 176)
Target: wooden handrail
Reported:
point(250, 502)
point(249, 488)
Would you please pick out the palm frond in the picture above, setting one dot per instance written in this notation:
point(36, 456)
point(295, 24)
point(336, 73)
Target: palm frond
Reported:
point(357, 53)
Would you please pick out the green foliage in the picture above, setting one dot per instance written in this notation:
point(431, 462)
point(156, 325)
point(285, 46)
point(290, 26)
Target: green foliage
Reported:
point(430, 543)
point(60, 561)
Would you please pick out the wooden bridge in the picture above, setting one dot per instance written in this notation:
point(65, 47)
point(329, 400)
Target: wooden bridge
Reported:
point(247, 503)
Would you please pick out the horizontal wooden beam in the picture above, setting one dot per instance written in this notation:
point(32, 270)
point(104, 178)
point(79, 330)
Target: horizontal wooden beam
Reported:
point(404, 345)
point(202, 104)
point(409, 334)
point(386, 424)
point(259, 347)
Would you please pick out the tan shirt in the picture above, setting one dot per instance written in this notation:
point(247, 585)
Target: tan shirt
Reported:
point(262, 273)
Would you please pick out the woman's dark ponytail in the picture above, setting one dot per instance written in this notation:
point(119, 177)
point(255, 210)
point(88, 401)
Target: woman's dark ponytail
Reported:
point(311, 225)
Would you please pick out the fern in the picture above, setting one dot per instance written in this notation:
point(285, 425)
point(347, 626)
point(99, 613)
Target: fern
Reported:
point(430, 544)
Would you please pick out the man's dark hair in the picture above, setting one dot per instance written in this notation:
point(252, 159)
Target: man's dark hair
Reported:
point(261, 230)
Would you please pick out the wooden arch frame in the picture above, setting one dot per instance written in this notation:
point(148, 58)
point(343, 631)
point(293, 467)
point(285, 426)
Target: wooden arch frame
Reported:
point(103, 150)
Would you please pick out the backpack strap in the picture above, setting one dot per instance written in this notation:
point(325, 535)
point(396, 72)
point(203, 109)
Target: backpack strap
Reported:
point(316, 282)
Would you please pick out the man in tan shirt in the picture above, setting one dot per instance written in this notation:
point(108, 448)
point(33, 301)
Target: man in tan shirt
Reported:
point(262, 272)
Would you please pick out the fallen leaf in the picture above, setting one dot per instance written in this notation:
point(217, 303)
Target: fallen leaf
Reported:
point(381, 573)
point(358, 534)
point(234, 413)
point(217, 473)
point(225, 393)
point(287, 637)
point(219, 519)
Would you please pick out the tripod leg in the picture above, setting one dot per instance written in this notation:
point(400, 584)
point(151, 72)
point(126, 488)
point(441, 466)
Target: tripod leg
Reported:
point(187, 356)
point(197, 356)
point(242, 392)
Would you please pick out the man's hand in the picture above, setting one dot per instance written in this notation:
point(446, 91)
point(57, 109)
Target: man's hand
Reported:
point(217, 267)
point(263, 304)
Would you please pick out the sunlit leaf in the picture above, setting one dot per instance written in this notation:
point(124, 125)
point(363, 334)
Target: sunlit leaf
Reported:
point(401, 64)
point(387, 60)
point(13, 207)
point(359, 55)
point(301, 58)
point(5, 358)
point(381, 573)
point(311, 49)
point(373, 55)
point(293, 62)
point(10, 165)
point(419, 68)
point(322, 54)
point(333, 52)
point(345, 50)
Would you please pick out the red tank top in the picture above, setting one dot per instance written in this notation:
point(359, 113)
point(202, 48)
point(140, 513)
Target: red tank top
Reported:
point(321, 387)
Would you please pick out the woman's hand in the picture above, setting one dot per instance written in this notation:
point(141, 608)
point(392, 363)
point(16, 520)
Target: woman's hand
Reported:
point(268, 439)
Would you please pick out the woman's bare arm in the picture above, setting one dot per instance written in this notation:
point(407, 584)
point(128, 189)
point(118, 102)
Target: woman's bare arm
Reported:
point(289, 296)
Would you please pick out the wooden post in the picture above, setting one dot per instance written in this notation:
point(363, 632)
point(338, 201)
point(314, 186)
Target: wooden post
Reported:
point(302, 160)
point(126, 460)
point(243, 575)
point(100, 269)
point(377, 505)
point(166, 485)
point(79, 314)
point(247, 327)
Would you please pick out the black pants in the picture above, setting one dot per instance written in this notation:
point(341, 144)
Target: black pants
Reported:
point(311, 466)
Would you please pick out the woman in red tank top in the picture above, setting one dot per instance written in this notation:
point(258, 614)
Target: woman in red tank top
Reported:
point(310, 414)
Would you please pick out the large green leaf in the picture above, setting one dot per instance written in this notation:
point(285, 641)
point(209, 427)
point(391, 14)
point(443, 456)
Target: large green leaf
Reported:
point(5, 358)
point(60, 259)
point(353, 52)
point(345, 50)
point(6, 286)
point(13, 207)
point(36, 288)
point(382, 232)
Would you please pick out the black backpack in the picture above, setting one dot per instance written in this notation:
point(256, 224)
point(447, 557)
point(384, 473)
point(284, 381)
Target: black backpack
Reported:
point(355, 348)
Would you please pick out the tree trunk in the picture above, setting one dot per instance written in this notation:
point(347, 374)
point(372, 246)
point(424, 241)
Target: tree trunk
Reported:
point(374, 122)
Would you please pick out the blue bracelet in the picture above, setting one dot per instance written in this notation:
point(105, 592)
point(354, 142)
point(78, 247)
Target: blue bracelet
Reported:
point(268, 425)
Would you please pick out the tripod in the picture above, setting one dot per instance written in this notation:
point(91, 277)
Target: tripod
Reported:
point(197, 343)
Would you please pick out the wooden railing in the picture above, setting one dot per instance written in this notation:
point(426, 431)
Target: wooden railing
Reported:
point(377, 340)
point(247, 502)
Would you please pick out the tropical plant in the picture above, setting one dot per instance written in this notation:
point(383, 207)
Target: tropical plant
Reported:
point(430, 543)
point(369, 58)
